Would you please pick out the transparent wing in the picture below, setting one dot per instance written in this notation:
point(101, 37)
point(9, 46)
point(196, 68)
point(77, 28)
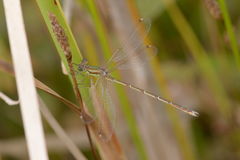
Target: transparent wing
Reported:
point(104, 111)
point(88, 103)
point(133, 49)
point(138, 56)
point(84, 84)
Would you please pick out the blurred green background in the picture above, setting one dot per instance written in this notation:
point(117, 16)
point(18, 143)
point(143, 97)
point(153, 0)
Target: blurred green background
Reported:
point(197, 65)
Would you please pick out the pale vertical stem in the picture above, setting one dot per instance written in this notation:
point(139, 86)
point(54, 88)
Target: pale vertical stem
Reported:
point(25, 83)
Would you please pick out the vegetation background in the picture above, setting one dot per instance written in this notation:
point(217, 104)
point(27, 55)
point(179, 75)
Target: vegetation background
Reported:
point(197, 65)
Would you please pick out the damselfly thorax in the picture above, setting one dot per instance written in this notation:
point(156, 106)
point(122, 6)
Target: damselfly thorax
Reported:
point(92, 70)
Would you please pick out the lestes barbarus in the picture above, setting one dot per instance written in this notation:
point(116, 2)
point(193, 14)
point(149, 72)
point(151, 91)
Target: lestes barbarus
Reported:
point(119, 58)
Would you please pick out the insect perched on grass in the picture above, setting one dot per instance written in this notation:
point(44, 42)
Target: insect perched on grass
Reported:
point(104, 73)
point(118, 60)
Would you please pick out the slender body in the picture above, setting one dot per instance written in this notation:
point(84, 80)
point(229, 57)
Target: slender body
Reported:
point(98, 71)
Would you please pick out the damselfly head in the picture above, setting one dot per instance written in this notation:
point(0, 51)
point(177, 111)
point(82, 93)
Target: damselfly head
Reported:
point(82, 65)
point(80, 68)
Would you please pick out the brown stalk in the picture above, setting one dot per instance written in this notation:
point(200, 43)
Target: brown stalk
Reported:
point(63, 40)
point(110, 149)
point(6, 67)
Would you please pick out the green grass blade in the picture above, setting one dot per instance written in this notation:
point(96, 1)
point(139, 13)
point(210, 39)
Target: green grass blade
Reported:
point(54, 7)
point(47, 7)
point(229, 27)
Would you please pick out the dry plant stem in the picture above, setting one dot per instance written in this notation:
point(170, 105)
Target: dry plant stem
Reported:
point(6, 67)
point(8, 100)
point(45, 112)
point(60, 131)
point(111, 149)
point(79, 98)
point(114, 145)
point(63, 40)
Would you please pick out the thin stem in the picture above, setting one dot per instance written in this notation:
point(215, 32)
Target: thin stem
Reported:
point(229, 27)
point(94, 151)
point(63, 40)
point(80, 101)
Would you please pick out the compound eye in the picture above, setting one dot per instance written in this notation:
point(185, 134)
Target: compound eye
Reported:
point(80, 68)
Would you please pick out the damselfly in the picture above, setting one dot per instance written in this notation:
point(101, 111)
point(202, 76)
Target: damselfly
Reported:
point(103, 72)
point(119, 59)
